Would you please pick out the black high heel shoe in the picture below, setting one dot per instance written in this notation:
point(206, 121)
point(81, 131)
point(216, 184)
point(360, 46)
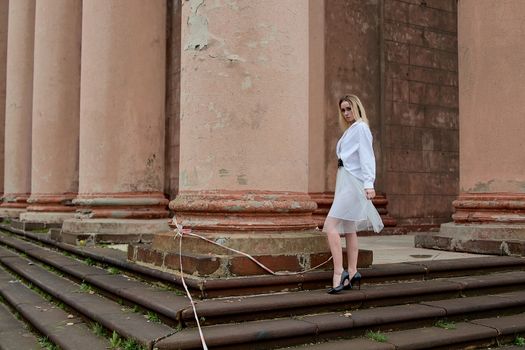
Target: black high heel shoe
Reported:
point(355, 279)
point(344, 277)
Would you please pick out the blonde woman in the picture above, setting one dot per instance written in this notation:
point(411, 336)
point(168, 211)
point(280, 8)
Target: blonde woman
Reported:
point(352, 209)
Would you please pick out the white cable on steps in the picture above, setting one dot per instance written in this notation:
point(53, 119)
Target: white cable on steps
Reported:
point(180, 232)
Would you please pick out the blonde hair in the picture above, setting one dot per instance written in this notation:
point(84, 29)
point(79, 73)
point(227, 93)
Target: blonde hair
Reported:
point(358, 111)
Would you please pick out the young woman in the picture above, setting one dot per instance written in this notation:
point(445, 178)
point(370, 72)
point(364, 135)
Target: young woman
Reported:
point(352, 209)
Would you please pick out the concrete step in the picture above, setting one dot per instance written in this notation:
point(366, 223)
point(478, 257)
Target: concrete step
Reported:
point(86, 301)
point(353, 323)
point(14, 334)
point(299, 303)
point(394, 298)
point(174, 308)
point(485, 333)
point(60, 327)
point(117, 286)
point(204, 288)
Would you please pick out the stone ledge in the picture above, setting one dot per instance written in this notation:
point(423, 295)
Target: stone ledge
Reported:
point(479, 246)
point(233, 265)
point(93, 231)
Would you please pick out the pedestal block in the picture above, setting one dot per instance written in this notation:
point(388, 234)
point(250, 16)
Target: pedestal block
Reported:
point(280, 252)
point(486, 223)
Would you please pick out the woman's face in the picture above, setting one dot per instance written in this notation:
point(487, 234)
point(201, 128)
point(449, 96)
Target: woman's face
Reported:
point(346, 110)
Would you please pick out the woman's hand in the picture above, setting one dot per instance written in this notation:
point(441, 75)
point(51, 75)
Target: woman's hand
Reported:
point(370, 193)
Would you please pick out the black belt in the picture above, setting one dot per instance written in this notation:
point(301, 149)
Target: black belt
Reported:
point(340, 163)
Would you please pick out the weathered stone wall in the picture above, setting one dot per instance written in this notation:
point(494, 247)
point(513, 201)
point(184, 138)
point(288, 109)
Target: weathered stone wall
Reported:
point(421, 152)
point(352, 64)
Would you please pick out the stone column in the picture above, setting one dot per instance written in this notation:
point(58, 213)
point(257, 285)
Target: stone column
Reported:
point(317, 115)
point(19, 96)
point(56, 105)
point(490, 209)
point(244, 143)
point(4, 16)
point(121, 164)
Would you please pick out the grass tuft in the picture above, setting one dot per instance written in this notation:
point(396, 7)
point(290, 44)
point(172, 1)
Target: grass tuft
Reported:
point(115, 341)
point(98, 329)
point(153, 317)
point(377, 336)
point(47, 344)
point(445, 324)
point(519, 341)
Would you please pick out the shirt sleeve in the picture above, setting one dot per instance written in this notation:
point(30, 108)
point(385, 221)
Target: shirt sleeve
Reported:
point(366, 156)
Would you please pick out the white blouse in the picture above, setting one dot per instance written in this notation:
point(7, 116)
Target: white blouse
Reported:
point(354, 148)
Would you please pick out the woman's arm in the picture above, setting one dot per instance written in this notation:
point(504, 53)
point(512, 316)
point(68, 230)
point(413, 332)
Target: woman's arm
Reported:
point(367, 159)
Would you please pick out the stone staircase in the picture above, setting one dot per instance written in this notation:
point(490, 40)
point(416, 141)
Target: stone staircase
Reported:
point(56, 295)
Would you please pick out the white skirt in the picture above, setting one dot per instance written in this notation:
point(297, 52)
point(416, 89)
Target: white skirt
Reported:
point(351, 211)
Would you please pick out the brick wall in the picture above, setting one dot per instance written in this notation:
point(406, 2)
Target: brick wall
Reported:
point(420, 125)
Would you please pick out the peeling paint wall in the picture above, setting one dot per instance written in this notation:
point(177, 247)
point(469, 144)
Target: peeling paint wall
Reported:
point(244, 95)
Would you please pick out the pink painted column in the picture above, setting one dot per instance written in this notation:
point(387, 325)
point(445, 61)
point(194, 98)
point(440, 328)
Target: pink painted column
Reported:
point(244, 139)
point(122, 116)
point(56, 104)
point(4, 16)
point(244, 117)
point(19, 96)
point(317, 115)
point(491, 202)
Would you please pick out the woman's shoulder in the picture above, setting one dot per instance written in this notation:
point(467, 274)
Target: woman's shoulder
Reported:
point(361, 125)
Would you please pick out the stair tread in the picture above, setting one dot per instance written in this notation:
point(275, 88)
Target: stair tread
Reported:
point(13, 333)
point(431, 279)
point(262, 303)
point(353, 319)
point(102, 310)
point(430, 337)
point(62, 329)
point(162, 301)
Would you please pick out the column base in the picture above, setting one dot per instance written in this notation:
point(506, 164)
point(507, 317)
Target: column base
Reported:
point(96, 231)
point(280, 252)
point(14, 203)
point(136, 205)
point(244, 211)
point(492, 238)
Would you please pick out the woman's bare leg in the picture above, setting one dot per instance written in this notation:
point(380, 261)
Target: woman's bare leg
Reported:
point(352, 251)
point(334, 241)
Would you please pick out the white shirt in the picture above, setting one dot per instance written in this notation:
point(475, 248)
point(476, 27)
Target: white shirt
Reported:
point(354, 148)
